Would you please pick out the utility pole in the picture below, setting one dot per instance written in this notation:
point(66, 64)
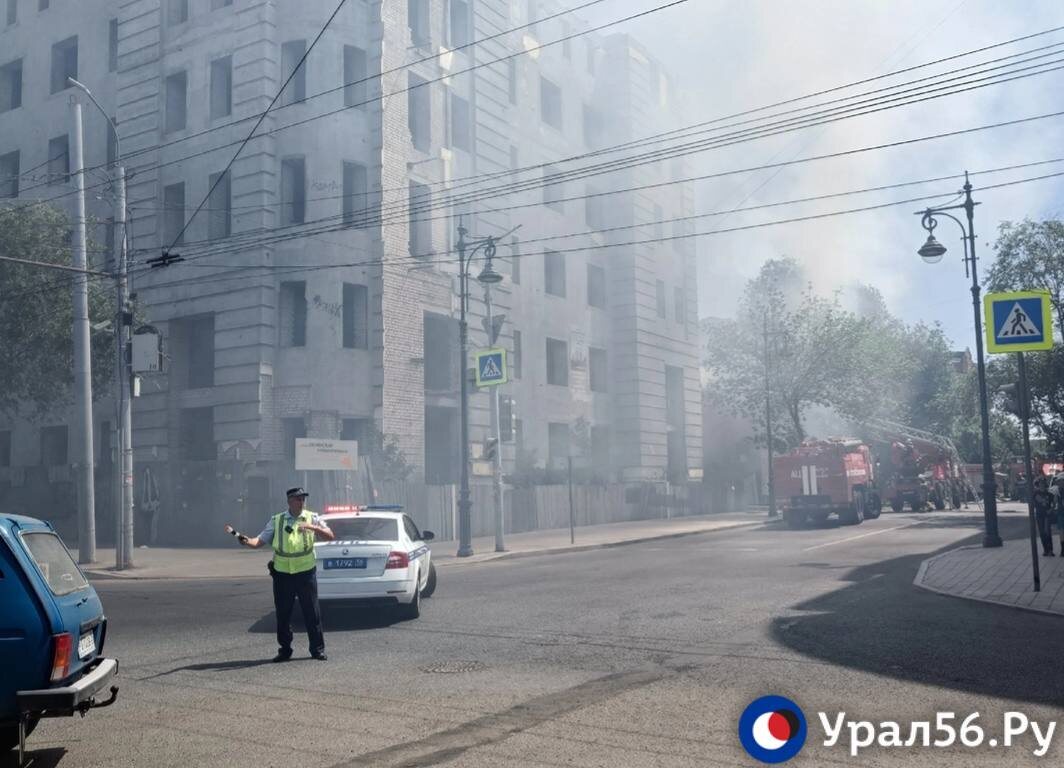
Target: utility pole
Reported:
point(123, 382)
point(768, 429)
point(82, 353)
point(123, 476)
point(496, 434)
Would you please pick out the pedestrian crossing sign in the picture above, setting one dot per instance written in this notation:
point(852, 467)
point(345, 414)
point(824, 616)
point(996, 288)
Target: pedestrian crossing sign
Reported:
point(491, 367)
point(1019, 321)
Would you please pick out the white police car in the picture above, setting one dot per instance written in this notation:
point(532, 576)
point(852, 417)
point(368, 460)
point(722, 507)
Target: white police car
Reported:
point(379, 557)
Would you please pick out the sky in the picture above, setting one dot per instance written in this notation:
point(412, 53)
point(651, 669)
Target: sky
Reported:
point(727, 56)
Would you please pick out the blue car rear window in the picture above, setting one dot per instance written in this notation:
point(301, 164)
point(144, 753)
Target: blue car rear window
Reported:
point(54, 562)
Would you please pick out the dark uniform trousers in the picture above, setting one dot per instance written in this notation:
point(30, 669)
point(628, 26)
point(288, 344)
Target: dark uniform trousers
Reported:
point(286, 588)
point(1044, 519)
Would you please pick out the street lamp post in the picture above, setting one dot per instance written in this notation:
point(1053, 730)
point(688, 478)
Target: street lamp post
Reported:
point(932, 252)
point(465, 535)
point(489, 277)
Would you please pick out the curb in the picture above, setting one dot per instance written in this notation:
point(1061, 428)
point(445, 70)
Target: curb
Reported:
point(496, 556)
point(918, 582)
point(451, 561)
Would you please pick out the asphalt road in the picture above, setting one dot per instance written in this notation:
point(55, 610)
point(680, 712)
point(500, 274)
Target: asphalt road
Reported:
point(643, 655)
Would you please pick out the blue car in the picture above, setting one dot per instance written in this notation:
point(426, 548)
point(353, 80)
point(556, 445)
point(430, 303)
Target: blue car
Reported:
point(52, 631)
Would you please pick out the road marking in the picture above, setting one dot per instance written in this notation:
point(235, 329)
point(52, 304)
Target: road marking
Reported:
point(862, 536)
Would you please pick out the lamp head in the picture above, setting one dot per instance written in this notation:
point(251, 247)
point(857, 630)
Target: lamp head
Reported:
point(932, 251)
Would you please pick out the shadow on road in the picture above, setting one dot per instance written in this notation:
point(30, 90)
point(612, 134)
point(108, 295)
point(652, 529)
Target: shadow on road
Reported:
point(881, 623)
point(35, 758)
point(216, 666)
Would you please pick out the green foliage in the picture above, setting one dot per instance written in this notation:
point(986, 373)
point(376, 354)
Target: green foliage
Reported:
point(387, 459)
point(818, 354)
point(1030, 255)
point(36, 346)
point(861, 364)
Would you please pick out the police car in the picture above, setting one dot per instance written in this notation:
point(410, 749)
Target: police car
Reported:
point(378, 557)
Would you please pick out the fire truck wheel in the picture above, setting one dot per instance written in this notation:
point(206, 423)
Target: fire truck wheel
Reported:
point(897, 504)
point(874, 507)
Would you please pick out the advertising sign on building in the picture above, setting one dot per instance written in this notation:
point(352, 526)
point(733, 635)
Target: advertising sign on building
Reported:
point(314, 453)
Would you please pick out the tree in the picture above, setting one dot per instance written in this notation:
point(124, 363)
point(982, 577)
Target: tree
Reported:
point(813, 352)
point(828, 361)
point(387, 458)
point(36, 345)
point(1029, 256)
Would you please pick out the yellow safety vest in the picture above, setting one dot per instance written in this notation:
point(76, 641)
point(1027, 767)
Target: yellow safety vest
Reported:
point(293, 552)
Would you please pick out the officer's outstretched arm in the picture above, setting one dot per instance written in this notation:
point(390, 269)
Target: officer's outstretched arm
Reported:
point(247, 541)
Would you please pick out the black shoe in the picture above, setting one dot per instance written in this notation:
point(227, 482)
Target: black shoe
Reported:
point(281, 656)
point(320, 656)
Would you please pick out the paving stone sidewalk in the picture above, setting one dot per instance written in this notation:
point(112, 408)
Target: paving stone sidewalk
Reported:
point(1002, 576)
point(232, 562)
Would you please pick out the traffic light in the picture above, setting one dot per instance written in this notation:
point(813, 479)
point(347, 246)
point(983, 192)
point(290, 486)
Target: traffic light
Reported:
point(506, 418)
point(491, 447)
point(1013, 400)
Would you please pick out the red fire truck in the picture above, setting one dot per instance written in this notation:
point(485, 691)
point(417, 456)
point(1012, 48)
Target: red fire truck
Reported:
point(917, 468)
point(828, 477)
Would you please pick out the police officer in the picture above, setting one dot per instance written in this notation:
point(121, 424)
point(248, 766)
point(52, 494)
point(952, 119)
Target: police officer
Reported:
point(294, 570)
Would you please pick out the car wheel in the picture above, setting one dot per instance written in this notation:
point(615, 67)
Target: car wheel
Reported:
point(412, 610)
point(9, 734)
point(430, 583)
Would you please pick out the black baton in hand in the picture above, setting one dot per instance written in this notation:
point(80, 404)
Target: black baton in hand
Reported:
point(239, 536)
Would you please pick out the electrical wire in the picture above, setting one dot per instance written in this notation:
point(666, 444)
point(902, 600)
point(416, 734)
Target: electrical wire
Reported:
point(240, 273)
point(785, 102)
point(541, 166)
point(244, 143)
point(496, 174)
point(719, 174)
point(423, 84)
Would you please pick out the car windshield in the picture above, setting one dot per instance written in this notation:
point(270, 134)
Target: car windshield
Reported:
point(365, 529)
point(54, 562)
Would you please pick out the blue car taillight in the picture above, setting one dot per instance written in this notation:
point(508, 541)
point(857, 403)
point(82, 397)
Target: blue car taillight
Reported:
point(63, 645)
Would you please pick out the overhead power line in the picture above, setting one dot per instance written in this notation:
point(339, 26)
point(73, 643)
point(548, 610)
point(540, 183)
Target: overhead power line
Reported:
point(745, 112)
point(453, 186)
point(266, 238)
point(258, 122)
point(241, 272)
point(383, 96)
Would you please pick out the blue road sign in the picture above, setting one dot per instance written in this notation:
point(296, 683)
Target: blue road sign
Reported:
point(491, 367)
point(1019, 321)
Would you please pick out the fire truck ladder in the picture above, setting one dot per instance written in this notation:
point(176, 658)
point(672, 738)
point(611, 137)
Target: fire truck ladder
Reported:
point(891, 430)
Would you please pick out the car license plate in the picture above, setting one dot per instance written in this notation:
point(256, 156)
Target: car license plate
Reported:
point(86, 646)
point(334, 563)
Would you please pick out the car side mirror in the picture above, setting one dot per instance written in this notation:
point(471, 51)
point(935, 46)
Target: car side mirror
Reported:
point(427, 535)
